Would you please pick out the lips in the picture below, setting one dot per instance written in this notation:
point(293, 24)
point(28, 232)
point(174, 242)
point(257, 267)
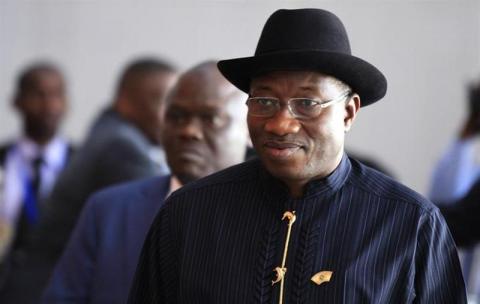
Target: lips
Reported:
point(281, 150)
point(189, 154)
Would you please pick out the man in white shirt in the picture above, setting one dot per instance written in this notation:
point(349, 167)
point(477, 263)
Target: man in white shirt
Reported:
point(30, 164)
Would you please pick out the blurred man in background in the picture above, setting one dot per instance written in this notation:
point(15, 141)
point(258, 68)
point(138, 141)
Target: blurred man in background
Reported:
point(205, 131)
point(452, 188)
point(457, 170)
point(123, 144)
point(31, 163)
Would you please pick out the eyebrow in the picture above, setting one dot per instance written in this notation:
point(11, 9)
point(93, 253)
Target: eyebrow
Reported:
point(310, 88)
point(263, 87)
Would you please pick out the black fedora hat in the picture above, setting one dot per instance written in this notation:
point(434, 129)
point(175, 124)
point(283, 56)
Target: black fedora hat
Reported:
point(311, 40)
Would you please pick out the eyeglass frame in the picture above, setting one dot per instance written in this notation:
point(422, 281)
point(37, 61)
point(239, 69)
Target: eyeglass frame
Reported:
point(322, 104)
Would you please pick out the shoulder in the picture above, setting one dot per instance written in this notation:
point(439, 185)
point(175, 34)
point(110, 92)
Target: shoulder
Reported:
point(237, 175)
point(135, 192)
point(108, 148)
point(120, 131)
point(125, 142)
point(111, 129)
point(382, 186)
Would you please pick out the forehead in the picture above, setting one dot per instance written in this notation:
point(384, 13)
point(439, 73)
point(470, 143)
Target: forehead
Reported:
point(293, 81)
point(195, 92)
point(158, 79)
point(46, 77)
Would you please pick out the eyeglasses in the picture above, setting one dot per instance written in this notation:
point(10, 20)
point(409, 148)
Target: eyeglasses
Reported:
point(302, 108)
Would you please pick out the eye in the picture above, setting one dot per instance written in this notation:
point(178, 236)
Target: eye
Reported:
point(306, 103)
point(175, 116)
point(214, 121)
point(265, 102)
point(209, 118)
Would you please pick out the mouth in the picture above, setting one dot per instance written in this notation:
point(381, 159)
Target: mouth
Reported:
point(189, 155)
point(281, 150)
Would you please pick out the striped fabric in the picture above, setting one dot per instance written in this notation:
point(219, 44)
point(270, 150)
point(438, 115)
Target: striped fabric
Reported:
point(219, 239)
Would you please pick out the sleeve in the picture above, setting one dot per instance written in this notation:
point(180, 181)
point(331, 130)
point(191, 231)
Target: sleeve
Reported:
point(455, 172)
point(462, 217)
point(72, 278)
point(156, 277)
point(438, 277)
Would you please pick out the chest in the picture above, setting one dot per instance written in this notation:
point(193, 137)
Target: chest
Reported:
point(233, 257)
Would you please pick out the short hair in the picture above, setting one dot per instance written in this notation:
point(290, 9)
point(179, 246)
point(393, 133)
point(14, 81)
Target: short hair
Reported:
point(26, 78)
point(342, 86)
point(143, 66)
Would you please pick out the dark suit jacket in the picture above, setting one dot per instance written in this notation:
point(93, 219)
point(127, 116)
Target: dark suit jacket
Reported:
point(99, 262)
point(114, 151)
point(463, 217)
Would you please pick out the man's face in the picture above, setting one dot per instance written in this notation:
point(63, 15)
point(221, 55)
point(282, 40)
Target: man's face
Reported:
point(205, 128)
point(43, 104)
point(299, 150)
point(147, 95)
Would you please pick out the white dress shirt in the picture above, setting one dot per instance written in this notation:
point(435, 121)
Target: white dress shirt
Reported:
point(18, 169)
point(455, 172)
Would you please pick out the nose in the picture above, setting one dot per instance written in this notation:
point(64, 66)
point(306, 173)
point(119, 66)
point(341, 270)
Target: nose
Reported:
point(191, 129)
point(51, 103)
point(282, 123)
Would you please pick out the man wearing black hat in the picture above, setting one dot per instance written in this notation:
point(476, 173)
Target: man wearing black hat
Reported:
point(304, 223)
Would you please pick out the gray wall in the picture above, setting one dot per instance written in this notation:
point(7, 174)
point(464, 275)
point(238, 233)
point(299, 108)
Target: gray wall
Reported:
point(427, 49)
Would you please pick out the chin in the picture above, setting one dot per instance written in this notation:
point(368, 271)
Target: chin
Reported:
point(285, 172)
point(186, 178)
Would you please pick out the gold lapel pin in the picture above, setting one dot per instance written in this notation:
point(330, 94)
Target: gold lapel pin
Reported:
point(280, 271)
point(322, 277)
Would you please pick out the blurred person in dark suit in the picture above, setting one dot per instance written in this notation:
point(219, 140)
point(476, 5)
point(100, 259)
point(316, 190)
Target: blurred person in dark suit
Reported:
point(123, 144)
point(205, 131)
point(457, 170)
point(463, 217)
point(453, 180)
point(31, 163)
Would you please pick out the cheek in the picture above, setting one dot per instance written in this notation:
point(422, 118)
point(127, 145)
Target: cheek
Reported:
point(168, 137)
point(327, 135)
point(255, 127)
point(56, 107)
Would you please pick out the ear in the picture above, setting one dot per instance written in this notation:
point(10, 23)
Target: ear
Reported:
point(17, 102)
point(351, 109)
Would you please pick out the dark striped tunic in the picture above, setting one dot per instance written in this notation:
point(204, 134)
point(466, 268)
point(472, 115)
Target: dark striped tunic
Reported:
point(219, 239)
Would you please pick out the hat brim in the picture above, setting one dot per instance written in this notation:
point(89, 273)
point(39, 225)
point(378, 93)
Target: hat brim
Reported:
point(364, 79)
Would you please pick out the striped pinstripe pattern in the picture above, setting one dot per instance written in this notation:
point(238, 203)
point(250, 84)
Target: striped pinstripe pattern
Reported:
point(218, 240)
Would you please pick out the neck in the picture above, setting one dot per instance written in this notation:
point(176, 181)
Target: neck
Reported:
point(174, 184)
point(41, 139)
point(297, 187)
point(120, 107)
point(126, 111)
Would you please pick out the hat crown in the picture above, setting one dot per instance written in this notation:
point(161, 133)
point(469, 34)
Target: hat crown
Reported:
point(307, 40)
point(303, 29)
